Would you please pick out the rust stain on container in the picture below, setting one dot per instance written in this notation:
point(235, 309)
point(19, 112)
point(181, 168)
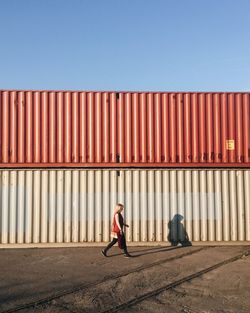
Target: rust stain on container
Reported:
point(126, 128)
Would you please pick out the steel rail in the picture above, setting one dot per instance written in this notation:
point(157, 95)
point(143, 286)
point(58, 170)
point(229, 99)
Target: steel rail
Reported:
point(176, 283)
point(83, 287)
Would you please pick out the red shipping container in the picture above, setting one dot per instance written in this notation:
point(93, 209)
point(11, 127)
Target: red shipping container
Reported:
point(124, 129)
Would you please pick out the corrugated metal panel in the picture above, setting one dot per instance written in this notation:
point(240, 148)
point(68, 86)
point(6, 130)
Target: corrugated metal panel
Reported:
point(69, 206)
point(56, 128)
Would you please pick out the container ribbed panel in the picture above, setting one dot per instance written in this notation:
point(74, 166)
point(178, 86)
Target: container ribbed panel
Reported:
point(97, 129)
point(74, 206)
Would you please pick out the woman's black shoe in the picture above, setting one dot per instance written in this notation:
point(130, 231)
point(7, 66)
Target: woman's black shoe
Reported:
point(127, 255)
point(104, 253)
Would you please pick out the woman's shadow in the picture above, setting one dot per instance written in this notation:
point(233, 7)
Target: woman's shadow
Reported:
point(177, 232)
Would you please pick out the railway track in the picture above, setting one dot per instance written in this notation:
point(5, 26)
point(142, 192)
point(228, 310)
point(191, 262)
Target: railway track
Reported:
point(173, 284)
point(84, 287)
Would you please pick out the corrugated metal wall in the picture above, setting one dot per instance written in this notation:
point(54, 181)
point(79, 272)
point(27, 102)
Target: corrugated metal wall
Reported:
point(70, 206)
point(55, 128)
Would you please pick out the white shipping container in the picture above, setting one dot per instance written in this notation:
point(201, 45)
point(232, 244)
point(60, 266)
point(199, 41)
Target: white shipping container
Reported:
point(75, 206)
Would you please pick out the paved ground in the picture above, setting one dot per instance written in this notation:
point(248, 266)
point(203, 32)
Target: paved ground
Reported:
point(82, 280)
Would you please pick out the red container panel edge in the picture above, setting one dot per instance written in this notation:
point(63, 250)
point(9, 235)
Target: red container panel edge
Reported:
point(73, 128)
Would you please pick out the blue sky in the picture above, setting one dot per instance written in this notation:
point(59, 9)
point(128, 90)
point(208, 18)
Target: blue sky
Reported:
point(156, 45)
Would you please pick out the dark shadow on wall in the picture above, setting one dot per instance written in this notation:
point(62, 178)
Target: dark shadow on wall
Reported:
point(177, 232)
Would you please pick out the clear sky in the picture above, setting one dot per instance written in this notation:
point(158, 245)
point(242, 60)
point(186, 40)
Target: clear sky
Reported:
point(156, 45)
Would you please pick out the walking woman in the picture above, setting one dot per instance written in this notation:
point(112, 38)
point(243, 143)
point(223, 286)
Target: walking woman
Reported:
point(117, 232)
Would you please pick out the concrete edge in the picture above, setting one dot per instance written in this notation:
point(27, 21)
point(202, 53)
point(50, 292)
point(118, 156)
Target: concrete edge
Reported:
point(130, 244)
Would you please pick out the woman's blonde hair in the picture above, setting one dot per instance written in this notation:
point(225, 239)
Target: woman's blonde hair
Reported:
point(118, 207)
